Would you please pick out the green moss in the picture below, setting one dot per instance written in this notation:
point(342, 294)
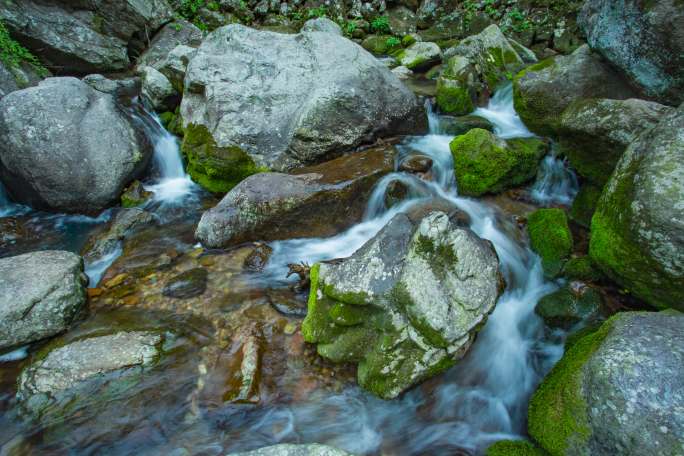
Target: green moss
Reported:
point(558, 412)
point(348, 315)
point(536, 111)
point(408, 40)
point(347, 297)
point(581, 269)
point(349, 346)
point(381, 44)
point(585, 204)
point(217, 169)
point(453, 97)
point(13, 54)
point(565, 308)
point(484, 164)
point(550, 237)
point(514, 448)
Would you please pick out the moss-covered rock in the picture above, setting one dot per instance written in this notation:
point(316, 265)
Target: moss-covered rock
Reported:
point(456, 126)
point(543, 91)
point(398, 306)
point(485, 164)
point(381, 44)
point(217, 169)
point(613, 390)
point(581, 268)
point(420, 56)
point(551, 238)
point(636, 230)
point(566, 307)
point(584, 205)
point(514, 448)
point(135, 195)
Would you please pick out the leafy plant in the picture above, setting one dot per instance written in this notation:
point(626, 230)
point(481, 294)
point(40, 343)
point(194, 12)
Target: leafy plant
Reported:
point(518, 20)
point(321, 11)
point(380, 25)
point(188, 8)
point(213, 6)
point(13, 54)
point(392, 42)
point(349, 27)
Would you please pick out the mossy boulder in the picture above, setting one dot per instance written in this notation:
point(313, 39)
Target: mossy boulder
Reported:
point(616, 390)
point(584, 204)
point(569, 306)
point(581, 268)
point(543, 91)
point(217, 169)
point(514, 448)
point(594, 133)
point(456, 126)
point(484, 163)
point(420, 56)
point(135, 195)
point(406, 305)
point(551, 238)
point(475, 67)
point(636, 231)
point(381, 44)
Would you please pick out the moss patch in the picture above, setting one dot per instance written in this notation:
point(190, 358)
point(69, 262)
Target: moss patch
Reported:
point(558, 412)
point(585, 204)
point(564, 308)
point(514, 448)
point(217, 169)
point(550, 237)
point(484, 164)
point(581, 269)
point(453, 97)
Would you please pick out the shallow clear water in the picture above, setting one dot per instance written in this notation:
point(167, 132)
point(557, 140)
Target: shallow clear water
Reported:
point(481, 400)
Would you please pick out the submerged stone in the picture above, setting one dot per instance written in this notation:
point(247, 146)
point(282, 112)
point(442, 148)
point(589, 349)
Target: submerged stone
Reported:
point(406, 305)
point(568, 306)
point(187, 284)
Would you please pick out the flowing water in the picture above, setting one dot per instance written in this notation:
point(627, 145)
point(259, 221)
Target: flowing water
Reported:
point(481, 400)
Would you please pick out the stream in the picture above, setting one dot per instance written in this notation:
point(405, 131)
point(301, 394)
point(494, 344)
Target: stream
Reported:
point(481, 400)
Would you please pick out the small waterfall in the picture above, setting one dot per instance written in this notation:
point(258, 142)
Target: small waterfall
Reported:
point(9, 208)
point(501, 113)
point(556, 183)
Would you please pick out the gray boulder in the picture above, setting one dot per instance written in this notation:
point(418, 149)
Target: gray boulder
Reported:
point(287, 449)
point(128, 87)
point(41, 293)
point(289, 100)
point(158, 91)
point(17, 77)
point(406, 305)
point(619, 390)
point(62, 370)
point(644, 39)
point(637, 232)
point(81, 37)
point(595, 132)
point(420, 55)
point(322, 24)
point(67, 147)
point(171, 35)
point(543, 91)
point(175, 65)
point(321, 201)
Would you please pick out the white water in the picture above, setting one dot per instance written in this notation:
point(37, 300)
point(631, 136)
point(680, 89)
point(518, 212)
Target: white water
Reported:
point(484, 398)
point(555, 183)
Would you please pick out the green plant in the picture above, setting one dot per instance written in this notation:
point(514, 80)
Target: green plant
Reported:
point(13, 54)
point(213, 6)
point(189, 8)
point(392, 42)
point(321, 11)
point(518, 20)
point(349, 28)
point(380, 24)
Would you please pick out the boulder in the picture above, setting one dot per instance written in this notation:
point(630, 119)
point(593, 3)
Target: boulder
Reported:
point(126, 88)
point(456, 126)
point(584, 204)
point(484, 163)
point(321, 201)
point(283, 101)
point(402, 21)
point(543, 91)
point(175, 65)
point(18, 77)
point(645, 40)
point(67, 147)
point(406, 305)
point(380, 45)
point(288, 449)
point(551, 238)
point(158, 91)
point(41, 293)
point(82, 37)
point(171, 35)
point(402, 72)
point(618, 390)
point(60, 372)
point(475, 67)
point(594, 133)
point(636, 233)
point(569, 306)
point(322, 24)
point(420, 56)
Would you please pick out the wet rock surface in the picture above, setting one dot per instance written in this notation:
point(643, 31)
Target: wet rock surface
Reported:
point(318, 201)
point(312, 449)
point(187, 284)
point(41, 293)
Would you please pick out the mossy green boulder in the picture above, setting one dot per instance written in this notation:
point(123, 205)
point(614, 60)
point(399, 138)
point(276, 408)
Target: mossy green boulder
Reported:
point(584, 204)
point(484, 163)
point(615, 391)
point(568, 306)
point(636, 231)
point(420, 56)
point(551, 238)
point(406, 305)
point(581, 268)
point(514, 448)
point(381, 44)
point(217, 169)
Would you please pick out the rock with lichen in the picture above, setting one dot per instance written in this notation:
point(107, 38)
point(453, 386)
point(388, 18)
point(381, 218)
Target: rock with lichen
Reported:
point(405, 306)
point(617, 390)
